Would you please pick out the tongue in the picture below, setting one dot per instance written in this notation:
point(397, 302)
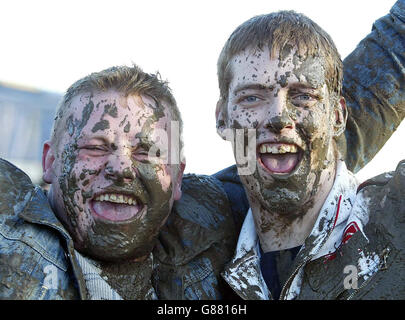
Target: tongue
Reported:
point(115, 211)
point(280, 163)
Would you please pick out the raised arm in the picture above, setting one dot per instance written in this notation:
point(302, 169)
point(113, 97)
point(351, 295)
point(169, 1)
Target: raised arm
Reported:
point(373, 86)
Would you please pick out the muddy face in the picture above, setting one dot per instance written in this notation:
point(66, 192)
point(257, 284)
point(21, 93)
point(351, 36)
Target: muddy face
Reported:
point(288, 103)
point(110, 192)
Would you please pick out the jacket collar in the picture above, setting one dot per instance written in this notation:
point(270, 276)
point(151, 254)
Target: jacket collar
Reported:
point(243, 273)
point(39, 211)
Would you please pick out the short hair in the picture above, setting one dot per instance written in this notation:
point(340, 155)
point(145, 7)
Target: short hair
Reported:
point(280, 31)
point(128, 80)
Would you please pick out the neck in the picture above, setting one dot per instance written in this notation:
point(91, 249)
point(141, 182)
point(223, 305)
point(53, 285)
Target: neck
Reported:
point(277, 231)
point(131, 279)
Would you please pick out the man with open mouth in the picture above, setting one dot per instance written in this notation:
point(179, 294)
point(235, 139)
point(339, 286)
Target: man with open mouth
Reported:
point(120, 222)
point(280, 75)
point(114, 227)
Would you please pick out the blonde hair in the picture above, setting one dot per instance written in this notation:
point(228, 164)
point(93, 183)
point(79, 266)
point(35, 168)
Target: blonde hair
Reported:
point(129, 80)
point(281, 31)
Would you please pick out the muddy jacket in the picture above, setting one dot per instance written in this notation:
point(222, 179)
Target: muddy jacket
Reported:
point(38, 259)
point(356, 249)
point(373, 86)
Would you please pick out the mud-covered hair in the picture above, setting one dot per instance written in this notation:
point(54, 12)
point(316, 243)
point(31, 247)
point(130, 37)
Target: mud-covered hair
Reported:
point(280, 31)
point(128, 80)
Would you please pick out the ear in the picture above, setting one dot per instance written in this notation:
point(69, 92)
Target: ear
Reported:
point(340, 117)
point(220, 116)
point(177, 187)
point(48, 159)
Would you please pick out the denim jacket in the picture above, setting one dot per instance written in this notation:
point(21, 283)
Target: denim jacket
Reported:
point(38, 259)
point(37, 256)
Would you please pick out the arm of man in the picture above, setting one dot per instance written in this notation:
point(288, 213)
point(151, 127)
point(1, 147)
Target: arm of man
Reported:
point(373, 86)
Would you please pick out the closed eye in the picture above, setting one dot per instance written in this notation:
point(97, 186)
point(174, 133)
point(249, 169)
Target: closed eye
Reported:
point(141, 153)
point(94, 150)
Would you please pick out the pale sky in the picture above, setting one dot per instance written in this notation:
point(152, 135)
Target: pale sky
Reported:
point(50, 44)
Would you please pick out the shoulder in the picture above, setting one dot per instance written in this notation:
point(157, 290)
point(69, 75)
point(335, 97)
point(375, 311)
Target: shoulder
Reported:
point(204, 201)
point(197, 240)
point(201, 220)
point(31, 252)
point(380, 255)
point(384, 198)
point(390, 184)
point(16, 189)
point(233, 187)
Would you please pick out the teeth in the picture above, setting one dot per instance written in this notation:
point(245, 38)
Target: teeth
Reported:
point(284, 148)
point(117, 198)
point(278, 149)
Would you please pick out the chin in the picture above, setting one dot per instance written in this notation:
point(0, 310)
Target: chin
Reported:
point(101, 253)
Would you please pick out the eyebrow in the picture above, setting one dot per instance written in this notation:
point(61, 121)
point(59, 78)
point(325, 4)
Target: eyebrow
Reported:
point(251, 86)
point(144, 140)
point(258, 86)
point(303, 85)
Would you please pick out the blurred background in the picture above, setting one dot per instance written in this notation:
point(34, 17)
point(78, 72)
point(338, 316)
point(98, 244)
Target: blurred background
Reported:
point(47, 45)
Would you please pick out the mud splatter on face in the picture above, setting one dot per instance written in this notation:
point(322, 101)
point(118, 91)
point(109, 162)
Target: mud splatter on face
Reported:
point(291, 105)
point(99, 159)
point(127, 127)
point(101, 125)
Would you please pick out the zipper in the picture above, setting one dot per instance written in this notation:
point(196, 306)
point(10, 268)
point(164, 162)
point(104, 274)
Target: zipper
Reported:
point(382, 266)
point(308, 258)
point(292, 276)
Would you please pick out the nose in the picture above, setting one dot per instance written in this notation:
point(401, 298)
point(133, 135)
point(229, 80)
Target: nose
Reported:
point(119, 168)
point(279, 117)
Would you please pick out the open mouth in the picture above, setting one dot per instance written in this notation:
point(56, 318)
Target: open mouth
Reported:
point(279, 158)
point(116, 206)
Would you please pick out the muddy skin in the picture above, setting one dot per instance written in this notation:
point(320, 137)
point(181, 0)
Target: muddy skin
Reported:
point(132, 280)
point(70, 125)
point(149, 183)
point(110, 109)
point(133, 238)
point(292, 196)
point(282, 194)
point(139, 236)
point(127, 127)
point(282, 202)
point(102, 125)
point(123, 121)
